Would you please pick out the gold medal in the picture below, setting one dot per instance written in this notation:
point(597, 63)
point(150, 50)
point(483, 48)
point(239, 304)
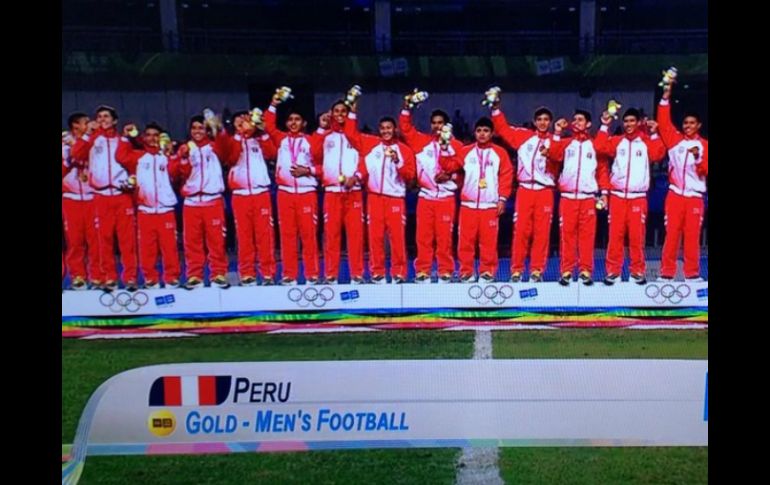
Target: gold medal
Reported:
point(341, 179)
point(483, 183)
point(83, 175)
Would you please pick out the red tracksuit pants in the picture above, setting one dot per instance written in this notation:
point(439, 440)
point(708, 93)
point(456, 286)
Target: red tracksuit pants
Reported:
point(298, 220)
point(387, 213)
point(254, 229)
point(157, 233)
point(344, 209)
point(626, 216)
point(532, 228)
point(115, 214)
point(684, 217)
point(435, 221)
point(82, 238)
point(577, 229)
point(204, 230)
point(477, 226)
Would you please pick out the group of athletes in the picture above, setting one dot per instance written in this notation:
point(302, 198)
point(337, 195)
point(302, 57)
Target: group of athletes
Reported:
point(123, 185)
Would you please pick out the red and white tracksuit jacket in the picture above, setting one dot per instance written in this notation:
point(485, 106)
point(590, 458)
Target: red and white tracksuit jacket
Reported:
point(630, 157)
point(342, 207)
point(533, 211)
point(253, 210)
point(386, 208)
point(78, 213)
point(113, 207)
point(488, 180)
point(436, 204)
point(297, 198)
point(155, 174)
point(687, 172)
point(583, 175)
point(203, 215)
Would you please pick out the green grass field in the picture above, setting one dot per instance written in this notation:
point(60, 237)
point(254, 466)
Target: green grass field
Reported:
point(86, 364)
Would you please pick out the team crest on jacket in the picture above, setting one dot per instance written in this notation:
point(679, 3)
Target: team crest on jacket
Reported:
point(589, 155)
point(681, 149)
point(98, 149)
point(530, 148)
point(254, 149)
point(330, 144)
point(622, 152)
point(429, 152)
point(570, 153)
point(638, 153)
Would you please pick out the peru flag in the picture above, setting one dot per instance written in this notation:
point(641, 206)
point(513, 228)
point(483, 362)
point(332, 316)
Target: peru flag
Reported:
point(189, 390)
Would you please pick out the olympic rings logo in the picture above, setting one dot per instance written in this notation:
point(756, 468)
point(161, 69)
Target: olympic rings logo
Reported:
point(124, 300)
point(667, 292)
point(490, 293)
point(311, 296)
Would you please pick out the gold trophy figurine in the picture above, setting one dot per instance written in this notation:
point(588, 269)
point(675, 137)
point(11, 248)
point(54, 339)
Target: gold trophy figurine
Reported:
point(669, 77)
point(416, 97)
point(352, 96)
point(283, 94)
point(129, 184)
point(445, 135)
point(389, 152)
point(600, 204)
point(67, 138)
point(491, 96)
point(256, 118)
point(133, 132)
point(211, 120)
point(165, 141)
point(191, 145)
point(613, 107)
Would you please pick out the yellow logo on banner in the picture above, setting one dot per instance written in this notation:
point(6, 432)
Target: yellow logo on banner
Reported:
point(161, 423)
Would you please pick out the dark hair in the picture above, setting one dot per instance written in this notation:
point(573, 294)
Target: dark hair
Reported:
point(294, 111)
point(154, 126)
point(542, 111)
point(584, 113)
point(632, 112)
point(109, 109)
point(485, 122)
point(388, 119)
point(339, 101)
point(691, 114)
point(238, 113)
point(75, 117)
point(442, 113)
point(197, 119)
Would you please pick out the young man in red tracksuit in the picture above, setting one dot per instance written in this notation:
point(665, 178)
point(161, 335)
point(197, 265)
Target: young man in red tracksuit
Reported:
point(343, 207)
point(249, 180)
point(297, 175)
point(488, 184)
point(113, 202)
point(155, 172)
point(436, 203)
point(687, 171)
point(583, 175)
point(386, 166)
point(630, 155)
point(534, 200)
point(203, 212)
point(78, 213)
